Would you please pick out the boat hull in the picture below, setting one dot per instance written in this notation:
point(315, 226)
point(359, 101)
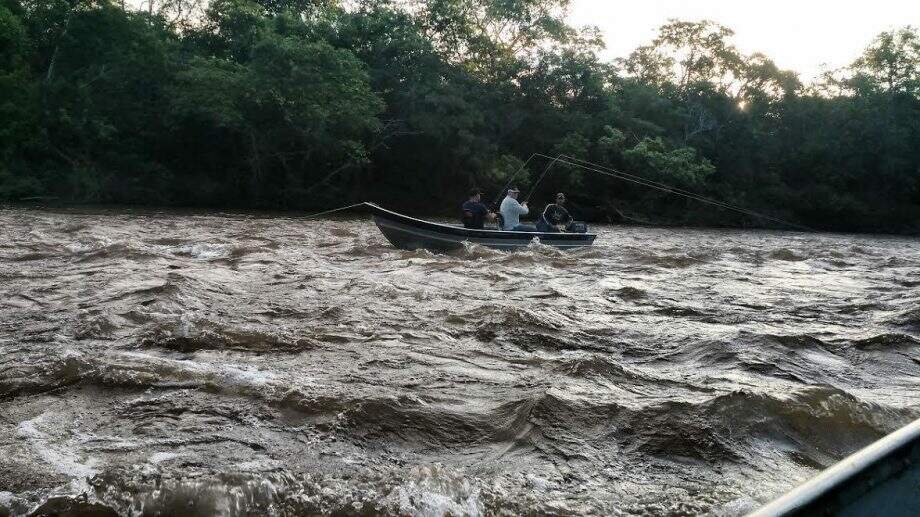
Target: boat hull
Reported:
point(881, 479)
point(410, 233)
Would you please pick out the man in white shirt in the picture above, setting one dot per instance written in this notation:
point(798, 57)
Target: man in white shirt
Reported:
point(512, 210)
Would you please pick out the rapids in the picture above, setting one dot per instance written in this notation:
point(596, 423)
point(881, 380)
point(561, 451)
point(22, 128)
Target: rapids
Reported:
point(238, 364)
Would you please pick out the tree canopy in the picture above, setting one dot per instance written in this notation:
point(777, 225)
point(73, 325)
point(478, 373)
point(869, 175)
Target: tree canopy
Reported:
point(311, 104)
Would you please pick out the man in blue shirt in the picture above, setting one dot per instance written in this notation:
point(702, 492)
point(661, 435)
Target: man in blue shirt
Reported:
point(474, 212)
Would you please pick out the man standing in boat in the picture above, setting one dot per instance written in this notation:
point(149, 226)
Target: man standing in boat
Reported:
point(475, 212)
point(512, 210)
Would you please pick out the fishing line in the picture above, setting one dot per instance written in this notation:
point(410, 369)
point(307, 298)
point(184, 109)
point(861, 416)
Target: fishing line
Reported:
point(631, 177)
point(614, 173)
point(334, 210)
point(696, 197)
point(655, 184)
point(545, 171)
point(504, 189)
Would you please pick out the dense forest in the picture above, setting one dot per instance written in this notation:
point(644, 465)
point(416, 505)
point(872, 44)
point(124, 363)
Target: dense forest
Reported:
point(312, 104)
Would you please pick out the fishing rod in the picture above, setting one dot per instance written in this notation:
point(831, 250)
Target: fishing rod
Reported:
point(540, 179)
point(669, 188)
point(614, 173)
point(504, 189)
point(632, 178)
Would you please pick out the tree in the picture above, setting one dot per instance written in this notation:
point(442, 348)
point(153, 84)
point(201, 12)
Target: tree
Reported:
point(491, 37)
point(304, 103)
point(892, 62)
point(292, 109)
point(699, 56)
point(17, 104)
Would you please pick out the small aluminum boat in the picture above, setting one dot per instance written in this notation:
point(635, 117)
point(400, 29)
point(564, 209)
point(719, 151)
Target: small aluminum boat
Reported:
point(882, 479)
point(410, 233)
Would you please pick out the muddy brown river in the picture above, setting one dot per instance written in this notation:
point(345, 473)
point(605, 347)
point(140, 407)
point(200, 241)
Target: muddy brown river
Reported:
point(165, 363)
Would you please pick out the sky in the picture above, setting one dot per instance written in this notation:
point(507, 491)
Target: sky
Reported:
point(806, 36)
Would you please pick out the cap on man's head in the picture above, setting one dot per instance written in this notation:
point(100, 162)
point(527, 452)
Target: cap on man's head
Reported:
point(475, 191)
point(514, 189)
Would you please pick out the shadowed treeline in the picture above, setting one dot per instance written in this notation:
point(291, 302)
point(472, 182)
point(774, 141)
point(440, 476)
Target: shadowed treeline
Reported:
point(311, 104)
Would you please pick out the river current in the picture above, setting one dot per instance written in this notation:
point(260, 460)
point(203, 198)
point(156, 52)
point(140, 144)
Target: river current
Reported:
point(238, 364)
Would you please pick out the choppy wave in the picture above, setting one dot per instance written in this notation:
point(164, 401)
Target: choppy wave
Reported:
point(240, 365)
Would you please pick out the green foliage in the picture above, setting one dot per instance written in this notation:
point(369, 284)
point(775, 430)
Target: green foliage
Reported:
point(506, 168)
point(612, 142)
point(681, 166)
point(208, 91)
point(296, 6)
point(16, 90)
point(13, 39)
point(317, 103)
point(489, 37)
point(892, 62)
point(232, 28)
point(292, 109)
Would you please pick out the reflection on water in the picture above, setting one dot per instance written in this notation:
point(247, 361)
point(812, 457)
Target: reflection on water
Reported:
point(241, 365)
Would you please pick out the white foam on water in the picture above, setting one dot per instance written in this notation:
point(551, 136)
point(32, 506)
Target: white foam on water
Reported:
point(823, 358)
point(239, 374)
point(59, 456)
point(202, 251)
point(258, 465)
point(436, 492)
point(738, 507)
point(538, 483)
point(78, 247)
point(160, 457)
point(228, 376)
point(249, 376)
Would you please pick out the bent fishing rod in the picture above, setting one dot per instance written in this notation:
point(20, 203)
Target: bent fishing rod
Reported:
point(632, 178)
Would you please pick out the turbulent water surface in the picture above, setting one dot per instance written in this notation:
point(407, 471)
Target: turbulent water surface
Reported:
point(232, 364)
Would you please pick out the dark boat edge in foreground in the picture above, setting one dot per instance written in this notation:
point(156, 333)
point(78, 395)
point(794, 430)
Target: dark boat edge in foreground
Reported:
point(881, 479)
point(410, 233)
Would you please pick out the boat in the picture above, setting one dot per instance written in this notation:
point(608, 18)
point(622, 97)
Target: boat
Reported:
point(410, 233)
point(881, 479)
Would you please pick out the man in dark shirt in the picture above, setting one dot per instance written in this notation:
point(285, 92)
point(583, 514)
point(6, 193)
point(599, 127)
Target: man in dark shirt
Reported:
point(555, 217)
point(474, 212)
